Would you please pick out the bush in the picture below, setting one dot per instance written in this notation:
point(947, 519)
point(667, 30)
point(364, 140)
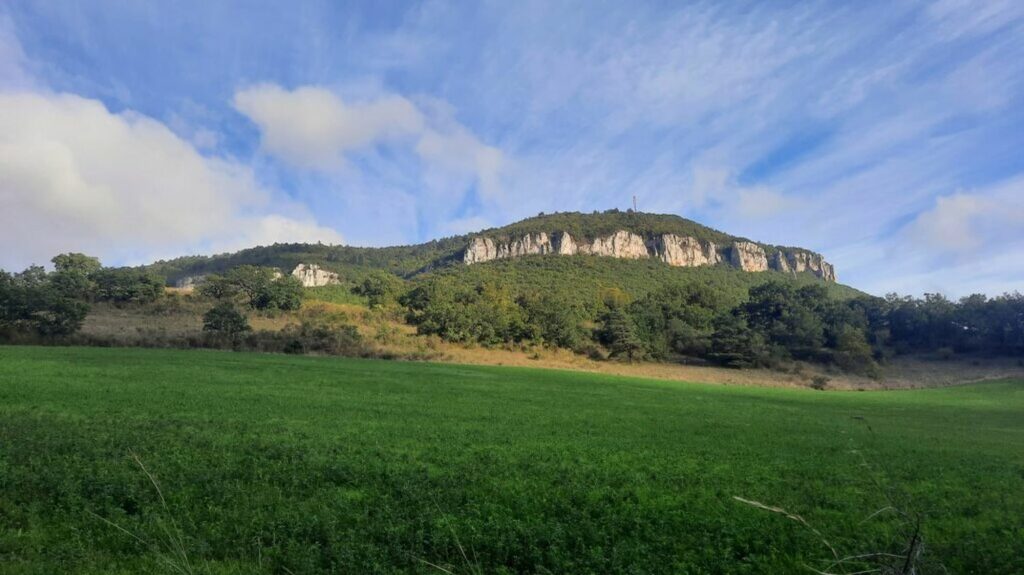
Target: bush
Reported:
point(127, 285)
point(223, 319)
point(260, 288)
point(31, 304)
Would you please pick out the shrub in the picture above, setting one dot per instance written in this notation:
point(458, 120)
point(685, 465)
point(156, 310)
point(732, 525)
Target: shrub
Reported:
point(127, 285)
point(223, 319)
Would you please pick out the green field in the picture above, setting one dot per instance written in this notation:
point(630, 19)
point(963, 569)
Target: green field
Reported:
point(278, 464)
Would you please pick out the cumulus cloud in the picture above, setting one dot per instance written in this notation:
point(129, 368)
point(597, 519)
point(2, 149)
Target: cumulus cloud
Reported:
point(75, 176)
point(963, 223)
point(312, 127)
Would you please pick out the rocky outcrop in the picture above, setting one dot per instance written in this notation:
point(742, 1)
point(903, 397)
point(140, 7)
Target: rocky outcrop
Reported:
point(565, 245)
point(480, 250)
point(800, 261)
point(530, 244)
point(312, 275)
point(674, 250)
point(748, 256)
point(686, 251)
point(621, 244)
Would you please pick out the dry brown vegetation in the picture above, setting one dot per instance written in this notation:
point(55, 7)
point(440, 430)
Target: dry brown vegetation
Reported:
point(181, 316)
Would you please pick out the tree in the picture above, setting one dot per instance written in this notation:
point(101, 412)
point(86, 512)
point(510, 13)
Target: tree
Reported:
point(76, 262)
point(31, 303)
point(224, 319)
point(677, 319)
point(127, 285)
point(379, 288)
point(618, 334)
point(74, 275)
point(217, 287)
point(260, 287)
point(556, 320)
point(788, 318)
point(734, 344)
point(852, 352)
point(284, 293)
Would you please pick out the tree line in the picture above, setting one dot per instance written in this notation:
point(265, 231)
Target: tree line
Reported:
point(777, 322)
point(708, 317)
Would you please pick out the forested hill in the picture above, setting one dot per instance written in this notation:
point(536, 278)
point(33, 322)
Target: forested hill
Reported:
point(413, 260)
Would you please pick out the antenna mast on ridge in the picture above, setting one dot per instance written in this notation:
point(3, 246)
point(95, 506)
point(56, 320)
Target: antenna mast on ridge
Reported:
point(634, 203)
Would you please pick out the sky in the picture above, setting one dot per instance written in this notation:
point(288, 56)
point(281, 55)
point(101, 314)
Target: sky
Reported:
point(887, 135)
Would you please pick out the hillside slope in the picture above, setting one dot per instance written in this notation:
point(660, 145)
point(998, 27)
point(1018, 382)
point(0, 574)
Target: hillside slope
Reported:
point(625, 235)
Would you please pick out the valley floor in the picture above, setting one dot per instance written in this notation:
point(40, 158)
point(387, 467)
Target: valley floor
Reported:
point(138, 460)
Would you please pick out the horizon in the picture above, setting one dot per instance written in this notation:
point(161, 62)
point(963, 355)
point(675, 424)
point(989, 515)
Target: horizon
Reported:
point(885, 138)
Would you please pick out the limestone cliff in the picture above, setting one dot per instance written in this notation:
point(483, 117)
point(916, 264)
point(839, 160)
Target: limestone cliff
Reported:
point(748, 256)
point(674, 250)
point(621, 244)
point(686, 251)
point(311, 275)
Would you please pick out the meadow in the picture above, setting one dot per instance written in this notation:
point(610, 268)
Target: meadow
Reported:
point(168, 461)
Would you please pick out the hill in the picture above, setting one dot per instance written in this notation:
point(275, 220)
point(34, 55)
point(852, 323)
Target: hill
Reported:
point(627, 235)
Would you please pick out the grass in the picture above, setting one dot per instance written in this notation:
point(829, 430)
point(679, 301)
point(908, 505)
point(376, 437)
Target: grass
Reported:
point(135, 460)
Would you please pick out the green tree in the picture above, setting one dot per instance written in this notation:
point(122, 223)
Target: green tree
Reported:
point(734, 344)
point(853, 353)
point(618, 333)
point(284, 293)
point(216, 286)
point(677, 319)
point(554, 319)
point(127, 285)
point(76, 262)
point(224, 319)
point(379, 288)
point(259, 287)
point(788, 318)
point(31, 303)
point(74, 275)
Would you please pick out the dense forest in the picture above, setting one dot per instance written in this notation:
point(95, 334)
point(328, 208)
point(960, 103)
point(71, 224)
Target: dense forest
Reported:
point(626, 310)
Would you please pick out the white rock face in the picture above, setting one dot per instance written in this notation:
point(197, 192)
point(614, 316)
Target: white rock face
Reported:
point(621, 244)
point(480, 250)
point(530, 244)
point(748, 256)
point(311, 275)
point(686, 251)
point(809, 262)
point(680, 251)
point(565, 245)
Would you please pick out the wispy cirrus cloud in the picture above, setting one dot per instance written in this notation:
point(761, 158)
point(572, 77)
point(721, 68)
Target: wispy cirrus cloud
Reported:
point(861, 130)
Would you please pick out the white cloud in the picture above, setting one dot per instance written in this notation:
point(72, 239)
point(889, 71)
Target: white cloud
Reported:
point(952, 225)
point(312, 127)
point(963, 224)
point(465, 225)
point(760, 202)
point(74, 176)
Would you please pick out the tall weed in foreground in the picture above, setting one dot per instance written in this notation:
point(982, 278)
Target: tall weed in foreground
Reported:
point(170, 546)
point(905, 552)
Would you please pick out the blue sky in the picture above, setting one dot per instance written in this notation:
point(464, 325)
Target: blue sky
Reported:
point(887, 135)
